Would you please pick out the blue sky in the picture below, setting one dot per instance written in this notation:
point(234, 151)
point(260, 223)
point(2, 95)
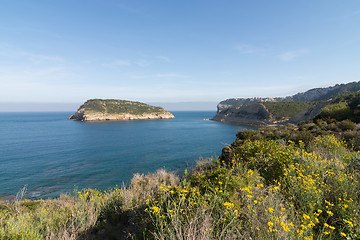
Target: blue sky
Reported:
point(174, 51)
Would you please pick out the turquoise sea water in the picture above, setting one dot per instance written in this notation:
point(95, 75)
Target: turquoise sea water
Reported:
point(53, 155)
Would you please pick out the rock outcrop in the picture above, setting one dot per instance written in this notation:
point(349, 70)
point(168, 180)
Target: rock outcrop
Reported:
point(118, 110)
point(251, 111)
point(251, 114)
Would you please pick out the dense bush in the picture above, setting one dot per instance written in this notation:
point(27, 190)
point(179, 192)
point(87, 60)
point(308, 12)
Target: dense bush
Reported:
point(268, 157)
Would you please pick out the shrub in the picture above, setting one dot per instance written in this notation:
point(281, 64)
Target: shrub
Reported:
point(266, 156)
point(346, 125)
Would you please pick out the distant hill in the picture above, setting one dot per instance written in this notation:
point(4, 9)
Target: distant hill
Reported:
point(296, 108)
point(118, 110)
point(323, 94)
point(315, 94)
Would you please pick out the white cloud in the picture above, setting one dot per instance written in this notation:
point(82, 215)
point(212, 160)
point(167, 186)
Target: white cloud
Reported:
point(40, 58)
point(127, 63)
point(164, 58)
point(246, 49)
point(291, 55)
point(142, 63)
point(169, 75)
point(122, 63)
point(159, 75)
point(118, 63)
point(10, 53)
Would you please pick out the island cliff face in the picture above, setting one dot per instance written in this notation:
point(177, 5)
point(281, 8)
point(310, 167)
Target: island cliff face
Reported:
point(118, 110)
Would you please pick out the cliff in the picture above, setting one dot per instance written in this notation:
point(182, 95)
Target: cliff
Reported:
point(118, 110)
point(251, 114)
point(299, 107)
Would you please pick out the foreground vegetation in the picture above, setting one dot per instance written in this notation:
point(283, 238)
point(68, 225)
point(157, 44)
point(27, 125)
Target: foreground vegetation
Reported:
point(289, 182)
point(262, 188)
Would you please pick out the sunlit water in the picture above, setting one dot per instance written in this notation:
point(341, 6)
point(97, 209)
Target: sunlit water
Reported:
point(53, 155)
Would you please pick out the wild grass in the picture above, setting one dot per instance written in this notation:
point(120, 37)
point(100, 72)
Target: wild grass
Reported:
point(264, 189)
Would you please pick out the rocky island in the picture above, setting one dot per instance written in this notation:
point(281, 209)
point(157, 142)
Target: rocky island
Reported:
point(118, 110)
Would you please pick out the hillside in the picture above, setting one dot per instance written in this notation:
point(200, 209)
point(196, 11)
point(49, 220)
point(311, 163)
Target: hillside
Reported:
point(344, 107)
point(111, 109)
point(315, 94)
point(299, 107)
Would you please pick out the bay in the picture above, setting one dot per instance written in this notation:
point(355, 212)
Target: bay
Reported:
point(53, 155)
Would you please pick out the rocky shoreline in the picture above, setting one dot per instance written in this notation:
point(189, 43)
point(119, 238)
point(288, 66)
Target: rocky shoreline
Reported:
point(81, 116)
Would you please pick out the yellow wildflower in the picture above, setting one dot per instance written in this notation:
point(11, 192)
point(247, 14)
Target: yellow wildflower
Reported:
point(155, 209)
point(228, 205)
point(330, 213)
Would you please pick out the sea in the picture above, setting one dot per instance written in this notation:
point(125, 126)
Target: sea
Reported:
point(50, 155)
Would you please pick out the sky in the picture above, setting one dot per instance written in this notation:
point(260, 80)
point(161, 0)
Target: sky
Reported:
point(187, 54)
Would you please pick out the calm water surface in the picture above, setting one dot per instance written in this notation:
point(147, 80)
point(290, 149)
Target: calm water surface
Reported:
point(53, 155)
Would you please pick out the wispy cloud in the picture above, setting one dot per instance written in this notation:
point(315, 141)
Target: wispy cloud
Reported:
point(118, 63)
point(291, 55)
point(246, 49)
point(39, 58)
point(142, 63)
point(122, 63)
point(159, 75)
point(169, 75)
point(10, 52)
point(164, 58)
point(127, 63)
point(31, 74)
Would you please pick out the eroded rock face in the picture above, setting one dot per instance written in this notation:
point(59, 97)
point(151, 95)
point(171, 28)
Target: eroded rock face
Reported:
point(82, 116)
point(251, 114)
point(118, 110)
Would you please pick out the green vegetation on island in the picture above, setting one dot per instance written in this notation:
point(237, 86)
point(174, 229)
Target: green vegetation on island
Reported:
point(113, 106)
point(112, 109)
